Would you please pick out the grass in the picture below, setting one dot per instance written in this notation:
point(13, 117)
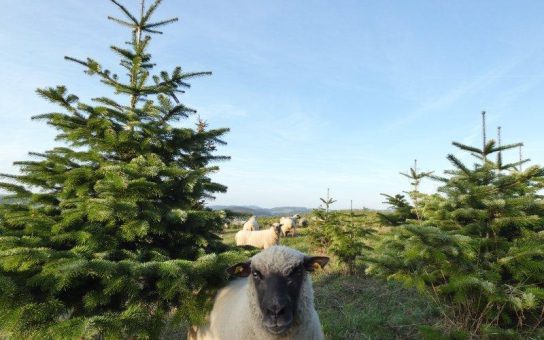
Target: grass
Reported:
point(358, 306)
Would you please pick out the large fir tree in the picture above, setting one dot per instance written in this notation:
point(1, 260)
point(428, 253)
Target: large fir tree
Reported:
point(479, 251)
point(107, 234)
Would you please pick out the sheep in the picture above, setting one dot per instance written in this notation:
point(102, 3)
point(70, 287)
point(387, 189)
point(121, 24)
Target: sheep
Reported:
point(289, 225)
point(259, 238)
point(273, 298)
point(251, 224)
point(302, 223)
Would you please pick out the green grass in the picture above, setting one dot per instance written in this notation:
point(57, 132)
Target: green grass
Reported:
point(300, 241)
point(228, 236)
point(358, 306)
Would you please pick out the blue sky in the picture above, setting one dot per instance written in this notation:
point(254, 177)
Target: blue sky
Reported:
point(318, 94)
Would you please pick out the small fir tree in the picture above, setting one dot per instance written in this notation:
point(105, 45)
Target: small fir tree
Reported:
point(402, 210)
point(338, 234)
point(479, 252)
point(328, 201)
point(416, 176)
point(106, 235)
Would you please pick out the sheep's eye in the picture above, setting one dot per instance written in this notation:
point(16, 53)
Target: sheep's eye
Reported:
point(257, 274)
point(296, 271)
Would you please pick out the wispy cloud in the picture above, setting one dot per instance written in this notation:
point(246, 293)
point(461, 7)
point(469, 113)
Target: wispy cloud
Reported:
point(461, 91)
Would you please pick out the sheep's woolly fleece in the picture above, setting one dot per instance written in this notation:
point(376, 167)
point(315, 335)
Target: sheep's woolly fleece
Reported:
point(288, 224)
point(258, 238)
point(236, 314)
point(251, 224)
point(280, 259)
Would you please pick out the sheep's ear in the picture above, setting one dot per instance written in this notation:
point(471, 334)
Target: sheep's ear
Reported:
point(312, 263)
point(241, 269)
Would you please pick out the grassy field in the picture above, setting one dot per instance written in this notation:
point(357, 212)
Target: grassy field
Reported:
point(358, 306)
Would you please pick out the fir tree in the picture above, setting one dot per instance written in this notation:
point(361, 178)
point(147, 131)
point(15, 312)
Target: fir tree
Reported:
point(479, 252)
point(328, 201)
point(338, 234)
point(106, 235)
point(404, 212)
point(415, 176)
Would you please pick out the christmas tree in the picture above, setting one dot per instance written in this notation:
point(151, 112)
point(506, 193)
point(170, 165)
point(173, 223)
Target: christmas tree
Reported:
point(107, 234)
point(479, 250)
point(340, 234)
point(404, 212)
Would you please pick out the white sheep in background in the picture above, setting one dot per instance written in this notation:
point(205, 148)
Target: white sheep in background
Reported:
point(259, 238)
point(302, 223)
point(289, 225)
point(251, 224)
point(275, 302)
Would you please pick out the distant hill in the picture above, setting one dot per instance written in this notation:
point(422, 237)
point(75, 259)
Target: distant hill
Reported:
point(258, 211)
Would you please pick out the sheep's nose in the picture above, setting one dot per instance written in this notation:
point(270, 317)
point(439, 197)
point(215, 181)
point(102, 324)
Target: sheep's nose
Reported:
point(277, 310)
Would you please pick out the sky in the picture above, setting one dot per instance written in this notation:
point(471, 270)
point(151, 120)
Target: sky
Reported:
point(318, 94)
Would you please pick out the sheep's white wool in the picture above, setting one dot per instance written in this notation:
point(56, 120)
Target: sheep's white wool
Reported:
point(236, 314)
point(259, 238)
point(251, 224)
point(303, 222)
point(288, 225)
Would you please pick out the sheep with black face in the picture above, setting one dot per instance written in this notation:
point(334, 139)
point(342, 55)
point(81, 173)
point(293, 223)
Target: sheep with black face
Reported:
point(272, 299)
